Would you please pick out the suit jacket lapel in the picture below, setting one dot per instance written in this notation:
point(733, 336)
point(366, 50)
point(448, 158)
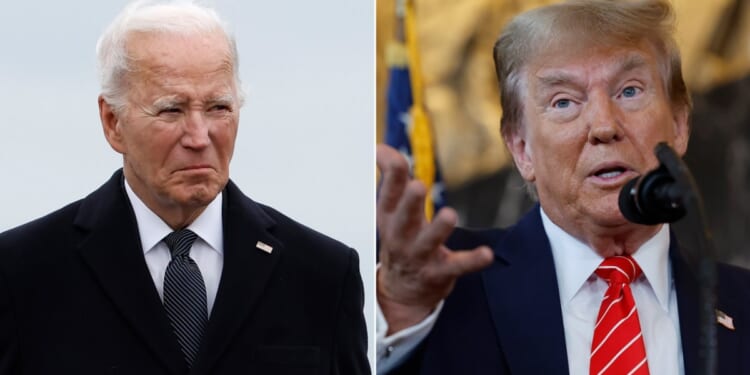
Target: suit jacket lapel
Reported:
point(112, 249)
point(686, 288)
point(730, 344)
point(524, 301)
point(247, 270)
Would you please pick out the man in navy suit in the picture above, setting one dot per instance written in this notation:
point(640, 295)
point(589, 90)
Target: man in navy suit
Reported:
point(168, 268)
point(588, 88)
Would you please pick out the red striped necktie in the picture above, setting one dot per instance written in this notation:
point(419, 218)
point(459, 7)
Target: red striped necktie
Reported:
point(618, 347)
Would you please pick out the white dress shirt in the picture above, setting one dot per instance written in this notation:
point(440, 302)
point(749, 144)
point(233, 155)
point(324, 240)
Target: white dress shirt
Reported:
point(207, 250)
point(581, 293)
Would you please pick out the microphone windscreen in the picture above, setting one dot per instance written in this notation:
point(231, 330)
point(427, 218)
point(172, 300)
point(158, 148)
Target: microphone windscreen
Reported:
point(627, 203)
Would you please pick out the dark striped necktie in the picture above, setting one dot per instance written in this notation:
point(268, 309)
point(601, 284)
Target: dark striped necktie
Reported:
point(185, 294)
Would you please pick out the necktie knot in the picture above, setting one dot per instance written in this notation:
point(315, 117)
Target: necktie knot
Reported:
point(619, 269)
point(180, 242)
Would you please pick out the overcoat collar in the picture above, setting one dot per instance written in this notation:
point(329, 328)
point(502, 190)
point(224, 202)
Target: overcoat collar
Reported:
point(110, 246)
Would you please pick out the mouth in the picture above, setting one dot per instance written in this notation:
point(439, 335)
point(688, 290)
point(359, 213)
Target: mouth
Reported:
point(612, 174)
point(609, 172)
point(194, 168)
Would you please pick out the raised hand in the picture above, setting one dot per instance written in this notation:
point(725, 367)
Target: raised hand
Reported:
point(416, 270)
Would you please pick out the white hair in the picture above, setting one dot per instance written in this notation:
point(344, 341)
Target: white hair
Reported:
point(175, 17)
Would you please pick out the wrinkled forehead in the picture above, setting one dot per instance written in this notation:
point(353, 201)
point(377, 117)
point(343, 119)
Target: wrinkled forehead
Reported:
point(167, 52)
point(557, 63)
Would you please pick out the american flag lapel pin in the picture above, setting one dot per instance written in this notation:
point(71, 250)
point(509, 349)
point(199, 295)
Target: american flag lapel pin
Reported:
point(724, 319)
point(264, 246)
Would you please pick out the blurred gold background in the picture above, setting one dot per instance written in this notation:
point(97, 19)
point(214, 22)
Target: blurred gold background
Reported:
point(461, 98)
point(456, 38)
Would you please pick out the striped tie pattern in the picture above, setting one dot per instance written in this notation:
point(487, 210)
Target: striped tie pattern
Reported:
point(618, 347)
point(185, 294)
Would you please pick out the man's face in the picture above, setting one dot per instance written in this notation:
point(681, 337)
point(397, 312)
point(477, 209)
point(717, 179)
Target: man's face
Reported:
point(178, 130)
point(591, 120)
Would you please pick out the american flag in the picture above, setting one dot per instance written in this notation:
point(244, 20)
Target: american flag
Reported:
point(407, 125)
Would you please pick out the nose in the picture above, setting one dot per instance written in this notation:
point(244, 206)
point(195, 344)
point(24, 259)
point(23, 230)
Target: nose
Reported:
point(196, 131)
point(605, 121)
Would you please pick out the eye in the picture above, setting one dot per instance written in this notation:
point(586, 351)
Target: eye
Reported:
point(170, 110)
point(630, 91)
point(220, 107)
point(561, 103)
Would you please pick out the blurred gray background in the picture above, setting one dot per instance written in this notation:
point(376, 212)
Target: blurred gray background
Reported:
point(305, 144)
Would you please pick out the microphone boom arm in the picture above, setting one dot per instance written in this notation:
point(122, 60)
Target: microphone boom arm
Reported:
point(667, 194)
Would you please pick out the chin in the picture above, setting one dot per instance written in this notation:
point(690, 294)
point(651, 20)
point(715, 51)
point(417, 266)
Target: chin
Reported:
point(607, 214)
point(613, 220)
point(197, 195)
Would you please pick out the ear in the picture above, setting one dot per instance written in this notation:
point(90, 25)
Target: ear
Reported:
point(111, 126)
point(682, 129)
point(519, 147)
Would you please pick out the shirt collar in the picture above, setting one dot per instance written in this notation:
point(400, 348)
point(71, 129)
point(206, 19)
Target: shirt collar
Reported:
point(152, 229)
point(575, 261)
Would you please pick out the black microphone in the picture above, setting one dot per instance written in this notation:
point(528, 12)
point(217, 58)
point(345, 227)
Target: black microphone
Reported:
point(666, 195)
point(653, 198)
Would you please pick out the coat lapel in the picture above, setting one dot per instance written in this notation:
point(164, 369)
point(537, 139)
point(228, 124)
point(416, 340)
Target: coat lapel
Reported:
point(522, 292)
point(112, 250)
point(524, 301)
point(730, 344)
point(248, 266)
point(686, 288)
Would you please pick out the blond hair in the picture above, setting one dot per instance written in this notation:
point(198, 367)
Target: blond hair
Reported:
point(588, 23)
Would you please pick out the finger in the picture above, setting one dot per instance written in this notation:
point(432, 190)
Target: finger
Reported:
point(409, 215)
point(395, 172)
point(459, 263)
point(435, 233)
